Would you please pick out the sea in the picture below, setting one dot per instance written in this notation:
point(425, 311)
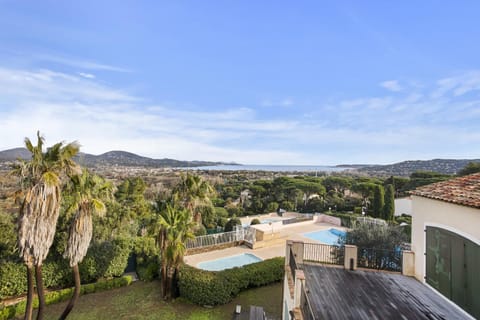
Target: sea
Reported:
point(273, 168)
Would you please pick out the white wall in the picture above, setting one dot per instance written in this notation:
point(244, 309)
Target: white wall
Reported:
point(461, 220)
point(403, 205)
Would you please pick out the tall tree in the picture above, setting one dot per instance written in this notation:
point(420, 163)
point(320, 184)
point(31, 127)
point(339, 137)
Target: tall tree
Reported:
point(87, 192)
point(175, 229)
point(193, 192)
point(366, 189)
point(41, 181)
point(389, 204)
point(471, 167)
point(378, 201)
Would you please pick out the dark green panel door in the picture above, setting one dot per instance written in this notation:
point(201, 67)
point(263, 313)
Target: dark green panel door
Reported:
point(457, 272)
point(472, 262)
point(453, 268)
point(438, 261)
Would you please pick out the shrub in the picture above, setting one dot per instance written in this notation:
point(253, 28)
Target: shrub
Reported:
point(230, 225)
point(105, 260)
point(64, 294)
point(255, 221)
point(146, 252)
point(149, 271)
point(13, 279)
point(213, 288)
point(199, 230)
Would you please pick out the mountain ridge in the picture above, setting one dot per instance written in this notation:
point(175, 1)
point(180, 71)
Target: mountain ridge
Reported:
point(129, 159)
point(116, 157)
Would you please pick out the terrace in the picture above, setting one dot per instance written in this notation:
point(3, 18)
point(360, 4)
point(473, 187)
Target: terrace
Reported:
point(325, 282)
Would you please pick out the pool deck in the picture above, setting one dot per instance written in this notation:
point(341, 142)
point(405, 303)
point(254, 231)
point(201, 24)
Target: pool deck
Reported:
point(273, 248)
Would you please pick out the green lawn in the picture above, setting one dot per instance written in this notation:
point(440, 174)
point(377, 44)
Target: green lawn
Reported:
point(141, 300)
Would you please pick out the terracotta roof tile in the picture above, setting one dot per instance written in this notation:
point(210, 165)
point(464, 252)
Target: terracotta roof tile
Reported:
point(463, 190)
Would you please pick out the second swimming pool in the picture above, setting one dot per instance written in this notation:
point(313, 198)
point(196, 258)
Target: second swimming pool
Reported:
point(229, 262)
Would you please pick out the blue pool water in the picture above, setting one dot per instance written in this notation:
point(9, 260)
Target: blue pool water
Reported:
point(329, 236)
point(229, 262)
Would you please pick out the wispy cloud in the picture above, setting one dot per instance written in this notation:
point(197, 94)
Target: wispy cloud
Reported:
point(415, 123)
point(87, 75)
point(458, 85)
point(391, 85)
point(78, 63)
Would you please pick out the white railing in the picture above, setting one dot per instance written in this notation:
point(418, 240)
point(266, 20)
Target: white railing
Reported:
point(240, 234)
point(371, 220)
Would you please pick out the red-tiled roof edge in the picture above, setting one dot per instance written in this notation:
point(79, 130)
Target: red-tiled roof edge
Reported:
point(462, 190)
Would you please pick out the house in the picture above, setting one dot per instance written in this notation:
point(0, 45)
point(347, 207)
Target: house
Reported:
point(403, 206)
point(446, 239)
point(326, 282)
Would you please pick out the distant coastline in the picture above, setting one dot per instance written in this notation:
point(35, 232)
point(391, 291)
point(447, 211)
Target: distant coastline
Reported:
point(272, 168)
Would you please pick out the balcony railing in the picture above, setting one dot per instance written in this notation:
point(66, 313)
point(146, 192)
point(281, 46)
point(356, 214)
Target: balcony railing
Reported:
point(379, 259)
point(323, 253)
point(305, 305)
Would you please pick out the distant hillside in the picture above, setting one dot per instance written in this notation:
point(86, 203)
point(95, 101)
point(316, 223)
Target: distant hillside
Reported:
point(119, 158)
point(405, 168)
point(13, 154)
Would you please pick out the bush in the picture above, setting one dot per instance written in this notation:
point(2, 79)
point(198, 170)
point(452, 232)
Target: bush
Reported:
point(149, 271)
point(213, 288)
point(146, 252)
point(230, 225)
point(254, 221)
point(13, 279)
point(105, 260)
point(64, 294)
point(199, 230)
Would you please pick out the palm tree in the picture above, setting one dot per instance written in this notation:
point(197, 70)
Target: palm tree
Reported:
point(86, 191)
point(175, 229)
point(40, 205)
point(193, 192)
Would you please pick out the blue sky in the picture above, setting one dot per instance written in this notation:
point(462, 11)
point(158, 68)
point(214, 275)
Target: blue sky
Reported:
point(256, 82)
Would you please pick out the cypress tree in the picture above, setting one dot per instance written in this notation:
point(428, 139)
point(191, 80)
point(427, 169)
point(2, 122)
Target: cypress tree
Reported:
point(389, 207)
point(378, 198)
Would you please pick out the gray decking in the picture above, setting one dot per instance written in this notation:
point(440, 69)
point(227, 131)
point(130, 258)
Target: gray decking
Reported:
point(336, 293)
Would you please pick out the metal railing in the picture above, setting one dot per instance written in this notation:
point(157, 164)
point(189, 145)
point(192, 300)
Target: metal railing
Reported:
point(380, 259)
point(323, 253)
point(301, 218)
point(240, 234)
point(305, 305)
point(293, 264)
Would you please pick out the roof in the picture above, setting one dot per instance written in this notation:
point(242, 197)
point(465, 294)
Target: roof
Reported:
point(463, 191)
point(336, 293)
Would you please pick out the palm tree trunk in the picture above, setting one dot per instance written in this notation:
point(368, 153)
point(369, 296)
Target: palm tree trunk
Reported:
point(29, 307)
point(164, 281)
point(169, 283)
point(40, 292)
point(76, 293)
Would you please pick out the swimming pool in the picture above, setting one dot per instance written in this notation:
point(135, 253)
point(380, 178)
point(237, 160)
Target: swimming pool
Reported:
point(330, 236)
point(229, 262)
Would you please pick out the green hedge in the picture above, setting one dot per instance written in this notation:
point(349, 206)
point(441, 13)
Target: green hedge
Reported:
point(13, 277)
point(104, 260)
point(64, 294)
point(219, 287)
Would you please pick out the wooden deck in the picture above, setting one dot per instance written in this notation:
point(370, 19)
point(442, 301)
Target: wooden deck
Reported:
point(335, 293)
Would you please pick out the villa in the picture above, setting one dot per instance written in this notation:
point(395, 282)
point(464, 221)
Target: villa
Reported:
point(438, 279)
point(446, 239)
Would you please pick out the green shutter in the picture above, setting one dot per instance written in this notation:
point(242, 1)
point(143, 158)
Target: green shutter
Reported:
point(453, 268)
